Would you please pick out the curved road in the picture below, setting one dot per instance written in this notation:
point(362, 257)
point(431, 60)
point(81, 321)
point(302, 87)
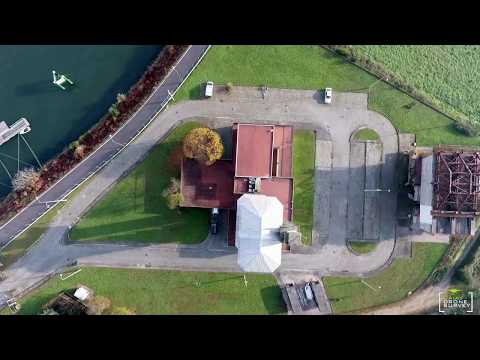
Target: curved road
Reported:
point(109, 149)
point(295, 107)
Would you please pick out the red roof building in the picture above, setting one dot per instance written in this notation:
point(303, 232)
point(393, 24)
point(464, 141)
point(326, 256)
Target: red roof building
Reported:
point(262, 163)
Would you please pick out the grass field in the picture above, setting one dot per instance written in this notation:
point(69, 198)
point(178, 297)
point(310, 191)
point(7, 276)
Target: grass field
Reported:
point(362, 247)
point(135, 210)
point(312, 67)
point(280, 66)
point(448, 74)
point(304, 182)
point(349, 294)
point(366, 134)
point(168, 292)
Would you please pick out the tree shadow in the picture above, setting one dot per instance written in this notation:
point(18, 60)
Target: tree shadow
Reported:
point(273, 300)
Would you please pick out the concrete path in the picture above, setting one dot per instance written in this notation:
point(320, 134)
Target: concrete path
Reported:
point(299, 108)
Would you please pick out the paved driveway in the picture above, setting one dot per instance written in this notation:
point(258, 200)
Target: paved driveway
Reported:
point(333, 123)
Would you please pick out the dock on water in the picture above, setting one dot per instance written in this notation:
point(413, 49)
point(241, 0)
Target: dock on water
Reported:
point(22, 126)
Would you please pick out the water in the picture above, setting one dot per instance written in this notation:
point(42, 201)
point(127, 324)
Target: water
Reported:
point(59, 117)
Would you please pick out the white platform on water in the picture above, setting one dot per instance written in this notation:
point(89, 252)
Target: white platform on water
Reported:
point(22, 126)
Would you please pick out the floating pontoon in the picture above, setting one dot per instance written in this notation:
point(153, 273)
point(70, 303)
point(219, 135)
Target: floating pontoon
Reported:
point(60, 80)
point(22, 126)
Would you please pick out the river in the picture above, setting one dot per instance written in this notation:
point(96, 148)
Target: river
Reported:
point(59, 117)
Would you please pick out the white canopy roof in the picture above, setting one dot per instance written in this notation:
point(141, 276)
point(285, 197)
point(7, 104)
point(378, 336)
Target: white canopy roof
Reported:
point(257, 239)
point(81, 293)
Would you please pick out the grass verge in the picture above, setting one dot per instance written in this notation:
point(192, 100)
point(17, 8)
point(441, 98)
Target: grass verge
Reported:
point(304, 182)
point(349, 294)
point(148, 292)
point(361, 247)
point(135, 210)
point(366, 135)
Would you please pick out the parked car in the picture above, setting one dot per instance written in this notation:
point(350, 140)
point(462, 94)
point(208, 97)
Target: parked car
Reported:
point(308, 292)
point(209, 89)
point(214, 218)
point(328, 95)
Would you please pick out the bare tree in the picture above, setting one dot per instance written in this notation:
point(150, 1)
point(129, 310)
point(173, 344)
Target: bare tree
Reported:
point(25, 179)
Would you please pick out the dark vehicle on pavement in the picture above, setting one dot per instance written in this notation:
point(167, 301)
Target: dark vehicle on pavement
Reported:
point(214, 219)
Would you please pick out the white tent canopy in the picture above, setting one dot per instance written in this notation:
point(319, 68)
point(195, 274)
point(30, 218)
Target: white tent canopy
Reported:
point(259, 218)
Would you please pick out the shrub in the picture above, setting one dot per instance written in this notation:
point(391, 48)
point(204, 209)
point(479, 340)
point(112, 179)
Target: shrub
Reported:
point(79, 152)
point(174, 200)
point(121, 98)
point(173, 194)
point(467, 127)
point(25, 179)
point(113, 110)
point(229, 87)
point(173, 188)
point(121, 310)
point(472, 270)
point(203, 144)
point(73, 145)
point(98, 305)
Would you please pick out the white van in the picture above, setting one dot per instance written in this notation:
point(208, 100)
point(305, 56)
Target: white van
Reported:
point(308, 292)
point(209, 89)
point(328, 95)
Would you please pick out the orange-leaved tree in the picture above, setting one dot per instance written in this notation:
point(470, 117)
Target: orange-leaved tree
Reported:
point(203, 144)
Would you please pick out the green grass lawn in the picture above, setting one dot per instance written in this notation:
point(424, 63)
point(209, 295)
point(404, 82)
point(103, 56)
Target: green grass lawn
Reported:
point(448, 74)
point(361, 247)
point(135, 210)
point(366, 135)
point(312, 67)
point(169, 292)
point(279, 66)
point(349, 294)
point(304, 182)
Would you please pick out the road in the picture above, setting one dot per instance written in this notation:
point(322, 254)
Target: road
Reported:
point(296, 107)
point(108, 150)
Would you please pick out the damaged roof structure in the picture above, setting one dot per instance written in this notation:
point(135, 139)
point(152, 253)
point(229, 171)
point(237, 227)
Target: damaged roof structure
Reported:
point(449, 181)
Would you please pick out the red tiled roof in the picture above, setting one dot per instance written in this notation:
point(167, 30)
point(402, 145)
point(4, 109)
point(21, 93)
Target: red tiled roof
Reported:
point(207, 186)
point(282, 189)
point(254, 150)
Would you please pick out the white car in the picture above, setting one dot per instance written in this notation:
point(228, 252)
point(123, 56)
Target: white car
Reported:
point(328, 95)
point(308, 292)
point(209, 89)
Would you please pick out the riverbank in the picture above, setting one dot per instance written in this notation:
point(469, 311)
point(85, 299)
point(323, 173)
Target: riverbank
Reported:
point(123, 109)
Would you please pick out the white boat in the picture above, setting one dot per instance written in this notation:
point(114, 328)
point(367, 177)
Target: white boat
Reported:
point(21, 126)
